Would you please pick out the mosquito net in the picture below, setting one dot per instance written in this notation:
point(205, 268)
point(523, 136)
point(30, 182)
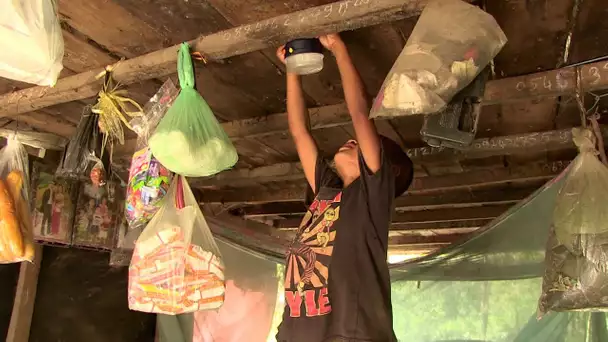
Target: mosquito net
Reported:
point(484, 288)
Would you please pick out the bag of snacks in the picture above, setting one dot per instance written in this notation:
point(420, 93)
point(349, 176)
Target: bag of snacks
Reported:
point(176, 265)
point(576, 274)
point(16, 228)
point(30, 30)
point(450, 45)
point(149, 180)
point(189, 140)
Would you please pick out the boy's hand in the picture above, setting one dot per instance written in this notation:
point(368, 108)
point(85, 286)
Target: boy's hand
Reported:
point(332, 42)
point(281, 53)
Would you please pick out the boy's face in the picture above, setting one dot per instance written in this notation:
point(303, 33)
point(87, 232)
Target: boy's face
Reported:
point(347, 158)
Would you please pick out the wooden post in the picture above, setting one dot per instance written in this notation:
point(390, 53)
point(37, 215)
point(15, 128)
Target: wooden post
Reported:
point(25, 296)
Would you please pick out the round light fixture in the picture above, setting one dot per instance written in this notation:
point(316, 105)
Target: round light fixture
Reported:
point(304, 56)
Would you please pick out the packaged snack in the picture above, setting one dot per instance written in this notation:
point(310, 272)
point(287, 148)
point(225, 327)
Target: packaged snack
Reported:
point(176, 265)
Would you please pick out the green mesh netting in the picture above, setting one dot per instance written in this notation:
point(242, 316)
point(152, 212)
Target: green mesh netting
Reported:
point(189, 140)
point(482, 289)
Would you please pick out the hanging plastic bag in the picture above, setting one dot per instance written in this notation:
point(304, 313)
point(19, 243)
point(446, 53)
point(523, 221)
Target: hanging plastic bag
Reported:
point(32, 41)
point(189, 140)
point(576, 275)
point(83, 156)
point(450, 45)
point(176, 265)
point(148, 180)
point(16, 229)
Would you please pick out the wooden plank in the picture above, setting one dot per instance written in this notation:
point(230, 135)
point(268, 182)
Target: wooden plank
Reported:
point(25, 296)
point(477, 179)
point(481, 148)
point(339, 16)
point(412, 240)
point(439, 226)
point(323, 88)
point(124, 34)
point(426, 216)
point(36, 139)
point(400, 228)
point(460, 199)
point(522, 19)
point(48, 123)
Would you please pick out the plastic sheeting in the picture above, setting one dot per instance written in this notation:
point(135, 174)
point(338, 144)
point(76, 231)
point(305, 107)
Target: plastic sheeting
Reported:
point(486, 288)
point(481, 289)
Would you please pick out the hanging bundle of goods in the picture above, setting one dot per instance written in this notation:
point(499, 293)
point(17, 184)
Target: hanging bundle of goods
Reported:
point(149, 180)
point(84, 156)
point(31, 40)
point(189, 140)
point(450, 45)
point(176, 265)
point(576, 274)
point(16, 228)
point(114, 107)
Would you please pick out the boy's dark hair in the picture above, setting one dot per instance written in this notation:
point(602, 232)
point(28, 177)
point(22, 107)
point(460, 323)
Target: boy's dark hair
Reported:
point(402, 165)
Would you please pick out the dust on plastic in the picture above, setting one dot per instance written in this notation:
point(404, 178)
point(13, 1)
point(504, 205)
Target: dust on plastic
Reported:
point(176, 265)
point(450, 45)
point(31, 38)
point(16, 230)
point(576, 277)
point(189, 140)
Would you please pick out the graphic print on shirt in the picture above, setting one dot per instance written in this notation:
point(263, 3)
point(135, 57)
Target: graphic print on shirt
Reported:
point(308, 259)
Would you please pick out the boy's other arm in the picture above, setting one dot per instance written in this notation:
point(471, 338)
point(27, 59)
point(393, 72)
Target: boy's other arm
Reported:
point(299, 123)
point(356, 102)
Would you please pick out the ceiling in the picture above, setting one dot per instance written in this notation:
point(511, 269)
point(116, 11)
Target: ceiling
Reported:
point(453, 194)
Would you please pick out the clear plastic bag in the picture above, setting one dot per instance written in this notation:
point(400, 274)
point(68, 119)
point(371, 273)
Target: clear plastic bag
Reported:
point(32, 41)
point(450, 45)
point(83, 156)
point(16, 229)
point(189, 140)
point(148, 180)
point(576, 276)
point(176, 265)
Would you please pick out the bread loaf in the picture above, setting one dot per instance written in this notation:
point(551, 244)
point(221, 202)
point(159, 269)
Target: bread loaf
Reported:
point(10, 234)
point(14, 182)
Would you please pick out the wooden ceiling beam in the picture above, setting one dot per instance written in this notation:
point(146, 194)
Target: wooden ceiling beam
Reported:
point(481, 148)
point(439, 226)
point(338, 16)
point(426, 216)
point(460, 199)
point(478, 179)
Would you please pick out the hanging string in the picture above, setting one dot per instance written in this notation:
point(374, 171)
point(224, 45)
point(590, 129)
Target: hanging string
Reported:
point(579, 97)
point(592, 115)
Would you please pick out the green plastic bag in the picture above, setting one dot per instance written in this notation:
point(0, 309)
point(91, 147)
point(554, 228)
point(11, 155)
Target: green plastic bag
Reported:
point(189, 140)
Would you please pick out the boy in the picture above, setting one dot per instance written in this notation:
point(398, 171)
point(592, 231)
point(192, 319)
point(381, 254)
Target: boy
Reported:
point(337, 285)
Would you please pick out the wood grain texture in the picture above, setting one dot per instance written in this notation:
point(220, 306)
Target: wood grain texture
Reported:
point(330, 18)
point(536, 31)
point(531, 173)
point(25, 297)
